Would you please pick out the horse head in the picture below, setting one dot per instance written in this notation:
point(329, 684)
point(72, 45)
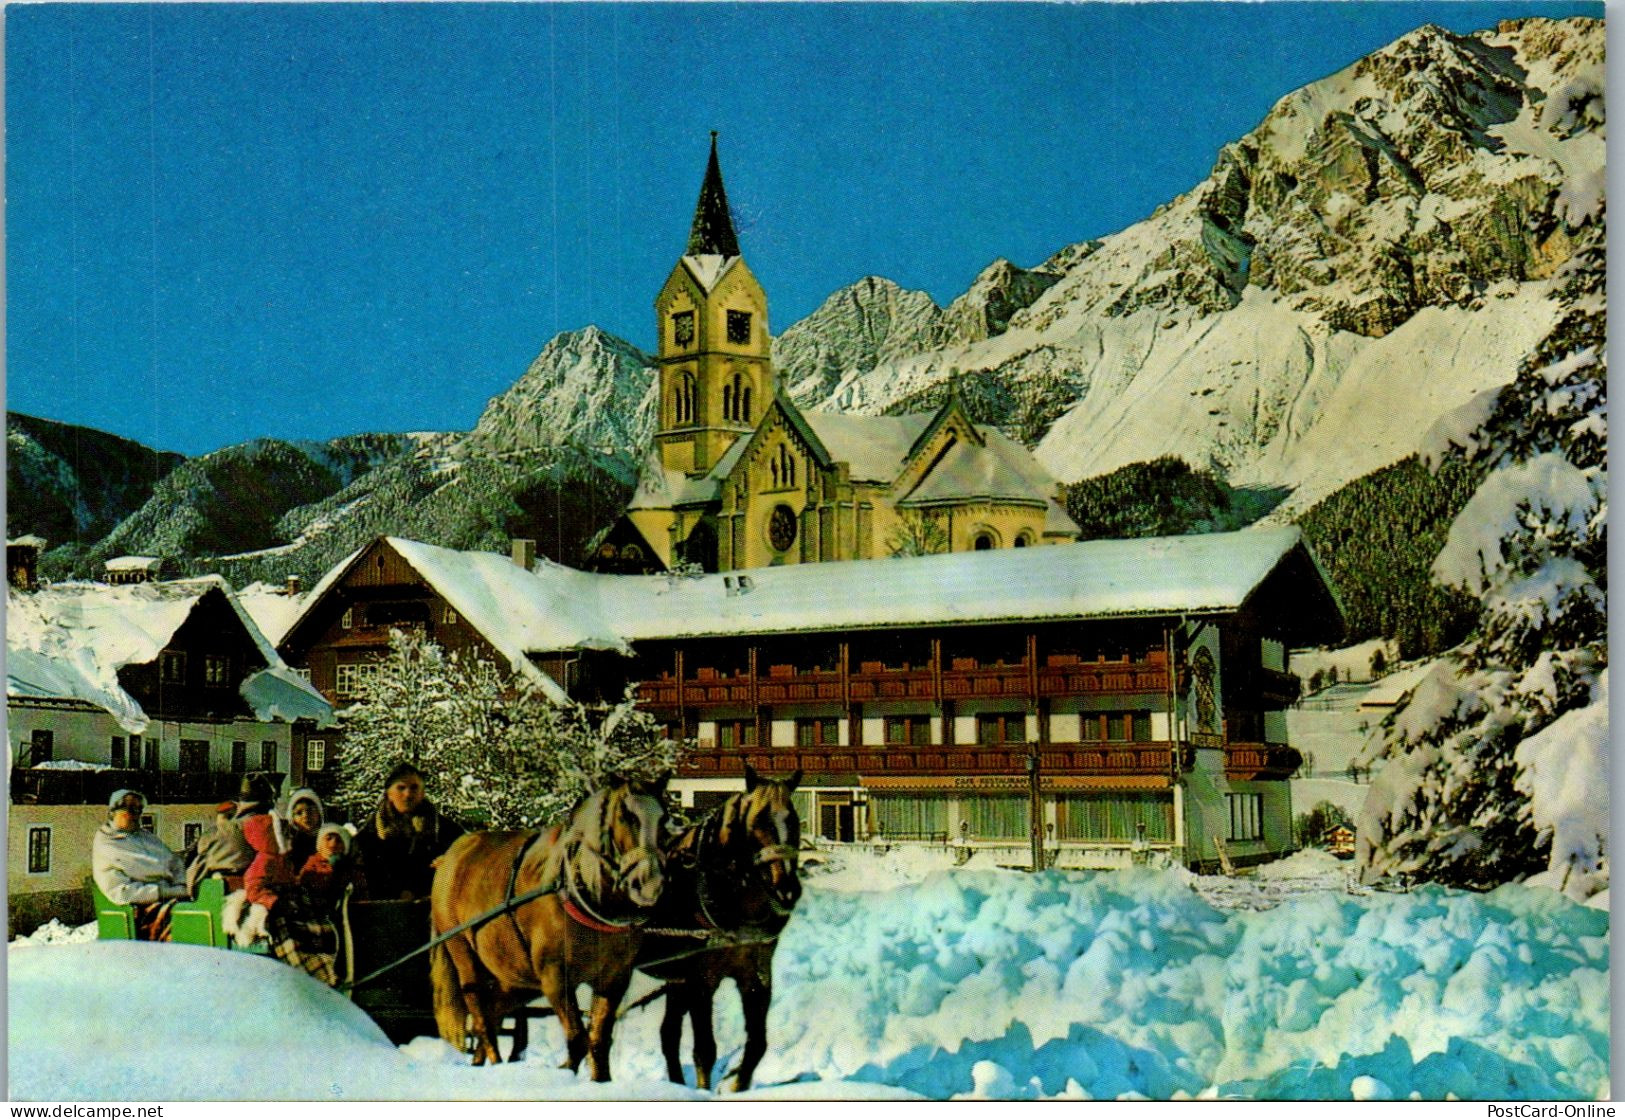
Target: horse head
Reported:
point(629, 837)
point(761, 831)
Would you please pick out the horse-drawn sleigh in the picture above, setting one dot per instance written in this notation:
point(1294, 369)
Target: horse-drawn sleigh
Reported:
point(518, 915)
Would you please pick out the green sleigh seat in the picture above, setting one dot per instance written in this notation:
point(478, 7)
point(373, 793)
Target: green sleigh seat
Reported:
point(191, 921)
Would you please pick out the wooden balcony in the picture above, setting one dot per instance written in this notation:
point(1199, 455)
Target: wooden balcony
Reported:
point(960, 678)
point(960, 760)
point(1245, 761)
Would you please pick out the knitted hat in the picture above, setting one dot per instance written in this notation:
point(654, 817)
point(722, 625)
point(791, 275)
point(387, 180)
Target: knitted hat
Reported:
point(299, 795)
point(335, 829)
point(121, 794)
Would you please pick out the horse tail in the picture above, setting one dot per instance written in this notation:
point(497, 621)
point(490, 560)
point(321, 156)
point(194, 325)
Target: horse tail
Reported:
point(450, 1010)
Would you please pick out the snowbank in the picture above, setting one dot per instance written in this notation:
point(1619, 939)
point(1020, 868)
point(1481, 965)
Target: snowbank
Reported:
point(966, 984)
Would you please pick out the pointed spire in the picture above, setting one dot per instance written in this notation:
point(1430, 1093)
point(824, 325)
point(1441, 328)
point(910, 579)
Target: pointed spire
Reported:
point(713, 229)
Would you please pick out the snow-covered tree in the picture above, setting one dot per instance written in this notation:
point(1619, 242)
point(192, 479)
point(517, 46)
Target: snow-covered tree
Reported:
point(1496, 766)
point(492, 749)
point(918, 533)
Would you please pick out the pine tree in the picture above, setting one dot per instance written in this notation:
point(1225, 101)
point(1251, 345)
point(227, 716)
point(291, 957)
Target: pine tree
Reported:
point(1496, 767)
point(493, 749)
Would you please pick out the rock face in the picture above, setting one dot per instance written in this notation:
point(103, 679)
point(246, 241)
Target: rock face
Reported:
point(1383, 246)
point(586, 388)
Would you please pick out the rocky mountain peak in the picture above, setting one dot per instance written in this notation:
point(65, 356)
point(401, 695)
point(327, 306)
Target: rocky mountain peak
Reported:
point(586, 388)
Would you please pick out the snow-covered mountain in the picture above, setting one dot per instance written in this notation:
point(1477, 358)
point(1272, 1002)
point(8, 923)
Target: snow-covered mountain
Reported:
point(1377, 251)
point(586, 388)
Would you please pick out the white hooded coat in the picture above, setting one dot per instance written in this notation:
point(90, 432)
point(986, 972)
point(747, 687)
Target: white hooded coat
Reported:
point(135, 867)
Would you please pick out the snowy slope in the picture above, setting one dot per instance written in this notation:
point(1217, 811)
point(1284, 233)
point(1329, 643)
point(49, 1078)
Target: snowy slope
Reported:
point(1376, 252)
point(964, 984)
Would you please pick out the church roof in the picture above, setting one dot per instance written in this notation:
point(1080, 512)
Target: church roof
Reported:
point(712, 233)
point(999, 470)
point(875, 446)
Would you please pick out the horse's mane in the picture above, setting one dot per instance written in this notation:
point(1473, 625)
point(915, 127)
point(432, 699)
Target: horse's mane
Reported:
point(581, 828)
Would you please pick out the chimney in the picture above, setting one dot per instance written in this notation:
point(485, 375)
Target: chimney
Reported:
point(524, 553)
point(293, 587)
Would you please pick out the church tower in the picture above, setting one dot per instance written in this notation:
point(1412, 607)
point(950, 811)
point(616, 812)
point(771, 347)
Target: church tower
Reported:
point(716, 376)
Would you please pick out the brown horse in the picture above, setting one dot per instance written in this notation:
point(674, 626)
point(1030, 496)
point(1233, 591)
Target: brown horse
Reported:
point(599, 873)
point(732, 876)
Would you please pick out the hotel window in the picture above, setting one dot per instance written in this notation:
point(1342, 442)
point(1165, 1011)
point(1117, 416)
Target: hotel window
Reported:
point(152, 754)
point(908, 731)
point(216, 669)
point(39, 849)
point(41, 746)
point(1118, 727)
point(267, 755)
point(735, 733)
point(1001, 727)
point(172, 667)
point(194, 755)
point(818, 731)
point(239, 756)
point(1246, 816)
point(355, 677)
point(739, 327)
point(191, 831)
point(115, 756)
point(316, 754)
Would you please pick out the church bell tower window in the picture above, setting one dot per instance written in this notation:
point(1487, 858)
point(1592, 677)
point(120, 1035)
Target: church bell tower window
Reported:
point(682, 328)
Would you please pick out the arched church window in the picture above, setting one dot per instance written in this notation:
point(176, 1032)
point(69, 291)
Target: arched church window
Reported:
point(744, 407)
point(983, 542)
point(728, 397)
point(685, 399)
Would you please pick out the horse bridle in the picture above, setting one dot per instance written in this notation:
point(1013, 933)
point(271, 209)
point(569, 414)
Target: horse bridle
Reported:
point(768, 854)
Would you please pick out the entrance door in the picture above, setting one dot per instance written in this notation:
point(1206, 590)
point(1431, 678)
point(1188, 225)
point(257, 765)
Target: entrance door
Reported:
point(835, 821)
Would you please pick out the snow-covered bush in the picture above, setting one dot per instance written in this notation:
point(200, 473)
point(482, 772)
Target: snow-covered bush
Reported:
point(491, 749)
point(1496, 766)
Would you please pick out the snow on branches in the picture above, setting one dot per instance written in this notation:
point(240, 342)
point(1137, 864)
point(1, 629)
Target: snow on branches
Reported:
point(1495, 767)
point(492, 749)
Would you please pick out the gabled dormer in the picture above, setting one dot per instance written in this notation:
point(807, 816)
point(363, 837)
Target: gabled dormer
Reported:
point(713, 343)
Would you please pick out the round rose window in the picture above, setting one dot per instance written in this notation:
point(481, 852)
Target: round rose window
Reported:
point(781, 528)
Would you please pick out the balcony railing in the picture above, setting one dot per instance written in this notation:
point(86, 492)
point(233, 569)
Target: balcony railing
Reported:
point(959, 678)
point(1055, 760)
point(1243, 761)
point(94, 787)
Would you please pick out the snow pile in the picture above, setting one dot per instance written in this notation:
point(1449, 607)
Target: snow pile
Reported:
point(54, 932)
point(1125, 984)
point(969, 984)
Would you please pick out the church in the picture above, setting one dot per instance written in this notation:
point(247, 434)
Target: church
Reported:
point(740, 477)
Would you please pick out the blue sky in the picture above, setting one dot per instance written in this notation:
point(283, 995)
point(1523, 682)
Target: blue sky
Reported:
point(303, 221)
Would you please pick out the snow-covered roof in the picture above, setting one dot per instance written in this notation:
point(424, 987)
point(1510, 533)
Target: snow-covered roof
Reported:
point(708, 268)
point(273, 610)
point(999, 470)
point(27, 540)
point(519, 612)
point(1212, 572)
point(69, 641)
point(134, 564)
point(874, 446)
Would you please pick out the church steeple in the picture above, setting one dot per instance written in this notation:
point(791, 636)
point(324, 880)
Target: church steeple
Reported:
point(712, 233)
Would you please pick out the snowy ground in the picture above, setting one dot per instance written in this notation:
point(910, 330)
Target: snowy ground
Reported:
point(899, 976)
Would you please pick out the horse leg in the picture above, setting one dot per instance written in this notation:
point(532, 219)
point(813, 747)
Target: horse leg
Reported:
point(473, 986)
point(560, 989)
point(605, 1004)
point(671, 1030)
point(705, 1042)
point(755, 994)
point(521, 1031)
